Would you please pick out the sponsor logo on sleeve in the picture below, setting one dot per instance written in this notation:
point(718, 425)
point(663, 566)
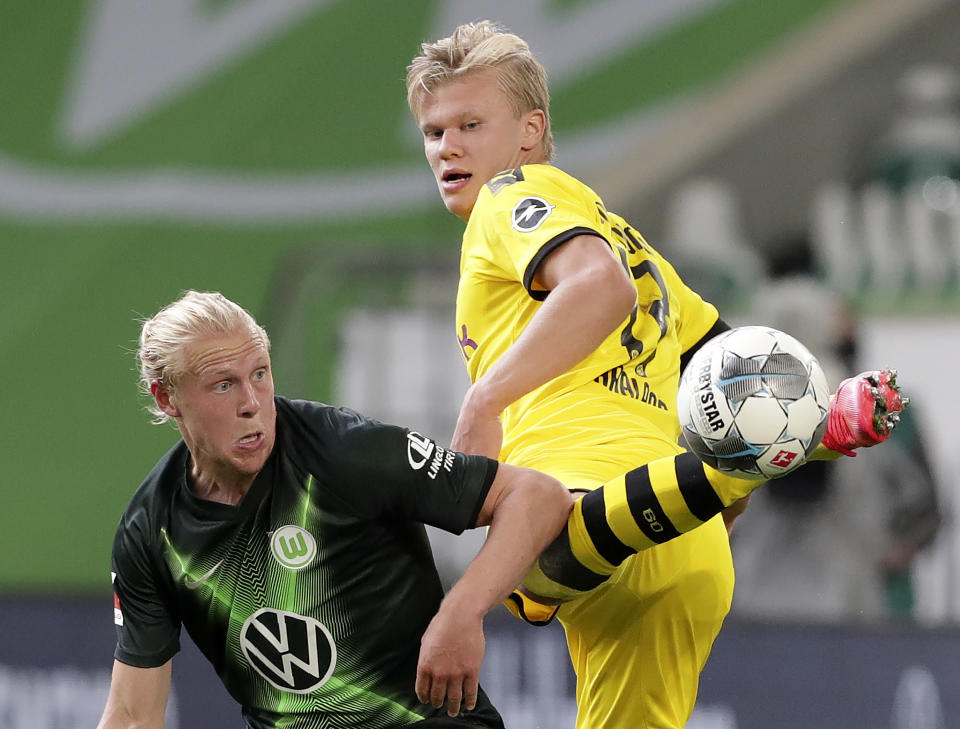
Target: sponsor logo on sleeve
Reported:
point(466, 343)
point(419, 450)
point(529, 214)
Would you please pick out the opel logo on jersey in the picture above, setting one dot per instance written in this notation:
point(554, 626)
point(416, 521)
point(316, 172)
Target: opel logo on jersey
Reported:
point(529, 213)
point(293, 547)
point(293, 652)
point(419, 450)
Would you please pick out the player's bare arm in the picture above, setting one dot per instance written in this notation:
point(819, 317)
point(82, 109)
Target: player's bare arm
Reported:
point(137, 698)
point(590, 296)
point(525, 511)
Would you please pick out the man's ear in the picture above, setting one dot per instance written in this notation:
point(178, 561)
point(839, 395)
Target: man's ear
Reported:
point(534, 125)
point(163, 397)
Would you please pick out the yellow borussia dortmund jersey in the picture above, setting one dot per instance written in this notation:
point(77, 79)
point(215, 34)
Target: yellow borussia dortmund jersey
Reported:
point(625, 391)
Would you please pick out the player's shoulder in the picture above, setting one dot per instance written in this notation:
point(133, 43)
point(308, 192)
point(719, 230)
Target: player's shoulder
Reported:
point(506, 188)
point(526, 176)
point(151, 502)
point(319, 417)
point(312, 432)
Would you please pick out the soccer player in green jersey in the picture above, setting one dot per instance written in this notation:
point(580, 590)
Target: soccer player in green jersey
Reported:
point(574, 331)
point(287, 537)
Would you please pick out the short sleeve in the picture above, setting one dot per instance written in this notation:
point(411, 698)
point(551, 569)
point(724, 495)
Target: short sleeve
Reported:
point(386, 471)
point(525, 221)
point(148, 629)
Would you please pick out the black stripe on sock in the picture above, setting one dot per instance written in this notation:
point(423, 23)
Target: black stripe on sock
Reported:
point(607, 543)
point(701, 499)
point(559, 564)
point(646, 509)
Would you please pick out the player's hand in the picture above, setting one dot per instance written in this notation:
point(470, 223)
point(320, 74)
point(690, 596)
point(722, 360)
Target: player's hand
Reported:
point(864, 411)
point(448, 671)
point(479, 430)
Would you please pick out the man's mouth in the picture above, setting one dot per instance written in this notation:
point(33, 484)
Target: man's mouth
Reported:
point(456, 176)
point(249, 438)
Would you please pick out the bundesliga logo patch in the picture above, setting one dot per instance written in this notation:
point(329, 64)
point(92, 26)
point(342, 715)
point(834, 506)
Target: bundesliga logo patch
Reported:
point(117, 610)
point(529, 214)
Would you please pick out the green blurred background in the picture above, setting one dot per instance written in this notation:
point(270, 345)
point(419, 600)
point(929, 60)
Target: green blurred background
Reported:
point(316, 97)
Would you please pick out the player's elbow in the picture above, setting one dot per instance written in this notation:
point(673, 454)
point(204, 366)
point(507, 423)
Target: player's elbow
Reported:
point(625, 295)
point(614, 288)
point(549, 501)
point(523, 496)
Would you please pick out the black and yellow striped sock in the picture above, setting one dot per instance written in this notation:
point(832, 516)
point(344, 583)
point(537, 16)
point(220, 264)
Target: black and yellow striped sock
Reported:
point(647, 506)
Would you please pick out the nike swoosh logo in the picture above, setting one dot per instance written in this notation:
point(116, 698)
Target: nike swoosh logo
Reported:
point(194, 584)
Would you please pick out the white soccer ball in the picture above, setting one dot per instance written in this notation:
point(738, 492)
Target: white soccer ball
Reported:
point(753, 403)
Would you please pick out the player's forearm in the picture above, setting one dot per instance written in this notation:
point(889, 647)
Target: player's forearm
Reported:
point(123, 720)
point(528, 517)
point(578, 315)
point(137, 698)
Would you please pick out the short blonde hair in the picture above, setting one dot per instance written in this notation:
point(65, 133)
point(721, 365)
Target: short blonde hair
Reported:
point(477, 46)
point(164, 336)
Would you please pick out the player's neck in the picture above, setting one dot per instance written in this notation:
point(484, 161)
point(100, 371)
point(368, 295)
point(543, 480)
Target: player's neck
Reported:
point(222, 488)
point(534, 158)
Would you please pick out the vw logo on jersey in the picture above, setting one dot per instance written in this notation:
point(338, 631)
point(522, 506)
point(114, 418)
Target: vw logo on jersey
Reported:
point(419, 450)
point(529, 214)
point(293, 652)
point(293, 547)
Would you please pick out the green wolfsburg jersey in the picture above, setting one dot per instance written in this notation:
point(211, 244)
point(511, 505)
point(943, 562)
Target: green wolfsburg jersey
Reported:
point(311, 595)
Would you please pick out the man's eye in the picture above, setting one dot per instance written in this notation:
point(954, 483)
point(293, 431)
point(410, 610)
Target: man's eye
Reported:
point(471, 125)
point(222, 387)
point(260, 375)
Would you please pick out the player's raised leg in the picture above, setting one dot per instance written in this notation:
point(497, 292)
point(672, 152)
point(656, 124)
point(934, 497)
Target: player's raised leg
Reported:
point(657, 502)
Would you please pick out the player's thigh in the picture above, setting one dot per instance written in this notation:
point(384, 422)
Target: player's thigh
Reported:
point(639, 643)
point(689, 578)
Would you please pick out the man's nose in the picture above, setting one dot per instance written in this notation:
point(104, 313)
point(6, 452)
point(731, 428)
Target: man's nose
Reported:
point(450, 144)
point(249, 404)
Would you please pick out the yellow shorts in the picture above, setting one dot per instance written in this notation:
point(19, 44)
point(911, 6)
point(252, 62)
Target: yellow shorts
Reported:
point(639, 641)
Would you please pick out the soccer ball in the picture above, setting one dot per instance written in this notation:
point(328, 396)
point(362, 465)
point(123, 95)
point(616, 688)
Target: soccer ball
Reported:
point(753, 403)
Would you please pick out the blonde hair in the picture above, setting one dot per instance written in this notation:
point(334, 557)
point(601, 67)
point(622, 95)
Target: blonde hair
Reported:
point(164, 337)
point(478, 46)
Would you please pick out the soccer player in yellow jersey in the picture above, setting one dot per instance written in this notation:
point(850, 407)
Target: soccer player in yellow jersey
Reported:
point(574, 331)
